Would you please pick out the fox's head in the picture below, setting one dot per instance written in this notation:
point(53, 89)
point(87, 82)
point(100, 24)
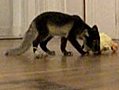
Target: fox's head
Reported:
point(93, 40)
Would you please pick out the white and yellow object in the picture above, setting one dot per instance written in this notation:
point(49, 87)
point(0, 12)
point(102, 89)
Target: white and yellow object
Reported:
point(106, 43)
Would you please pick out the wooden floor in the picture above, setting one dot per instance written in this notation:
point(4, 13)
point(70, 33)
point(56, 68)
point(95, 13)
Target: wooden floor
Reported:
point(57, 72)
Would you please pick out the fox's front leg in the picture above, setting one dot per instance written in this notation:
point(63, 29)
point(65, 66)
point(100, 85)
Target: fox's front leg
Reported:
point(63, 46)
point(85, 48)
point(76, 45)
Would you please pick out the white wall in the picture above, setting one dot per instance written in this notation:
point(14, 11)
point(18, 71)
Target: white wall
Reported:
point(17, 17)
point(75, 7)
point(54, 5)
point(117, 18)
point(105, 14)
point(5, 17)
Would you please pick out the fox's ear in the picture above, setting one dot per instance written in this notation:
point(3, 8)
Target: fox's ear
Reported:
point(86, 33)
point(95, 28)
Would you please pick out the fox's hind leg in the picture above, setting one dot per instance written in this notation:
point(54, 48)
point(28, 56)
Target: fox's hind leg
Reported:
point(43, 45)
point(36, 42)
point(63, 46)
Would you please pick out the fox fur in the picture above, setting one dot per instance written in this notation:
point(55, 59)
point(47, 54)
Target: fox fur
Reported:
point(41, 30)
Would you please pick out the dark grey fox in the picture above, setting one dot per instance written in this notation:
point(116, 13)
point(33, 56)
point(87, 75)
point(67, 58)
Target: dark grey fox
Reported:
point(69, 27)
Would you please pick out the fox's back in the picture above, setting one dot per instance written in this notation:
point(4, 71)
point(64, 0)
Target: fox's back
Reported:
point(54, 17)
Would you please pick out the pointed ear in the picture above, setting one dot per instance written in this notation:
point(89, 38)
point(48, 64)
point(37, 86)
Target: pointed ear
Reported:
point(86, 33)
point(95, 28)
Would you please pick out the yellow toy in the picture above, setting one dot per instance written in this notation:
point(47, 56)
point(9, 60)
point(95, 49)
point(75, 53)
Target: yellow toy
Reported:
point(106, 43)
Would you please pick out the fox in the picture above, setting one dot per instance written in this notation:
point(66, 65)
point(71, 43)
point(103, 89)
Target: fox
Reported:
point(69, 27)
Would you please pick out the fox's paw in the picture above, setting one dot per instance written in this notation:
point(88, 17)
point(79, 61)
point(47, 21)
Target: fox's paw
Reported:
point(39, 55)
point(51, 53)
point(68, 53)
point(6, 53)
point(85, 53)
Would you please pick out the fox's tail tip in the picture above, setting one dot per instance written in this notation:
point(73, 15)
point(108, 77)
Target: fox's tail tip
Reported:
point(6, 53)
point(11, 53)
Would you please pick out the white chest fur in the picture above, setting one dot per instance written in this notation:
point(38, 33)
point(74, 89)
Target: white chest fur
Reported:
point(59, 30)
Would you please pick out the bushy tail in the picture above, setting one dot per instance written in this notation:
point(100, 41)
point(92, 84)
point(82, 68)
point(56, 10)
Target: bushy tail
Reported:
point(30, 35)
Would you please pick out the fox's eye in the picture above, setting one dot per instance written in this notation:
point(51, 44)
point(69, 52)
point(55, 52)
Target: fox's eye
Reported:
point(94, 40)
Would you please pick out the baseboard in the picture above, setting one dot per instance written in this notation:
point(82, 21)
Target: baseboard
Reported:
point(10, 38)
